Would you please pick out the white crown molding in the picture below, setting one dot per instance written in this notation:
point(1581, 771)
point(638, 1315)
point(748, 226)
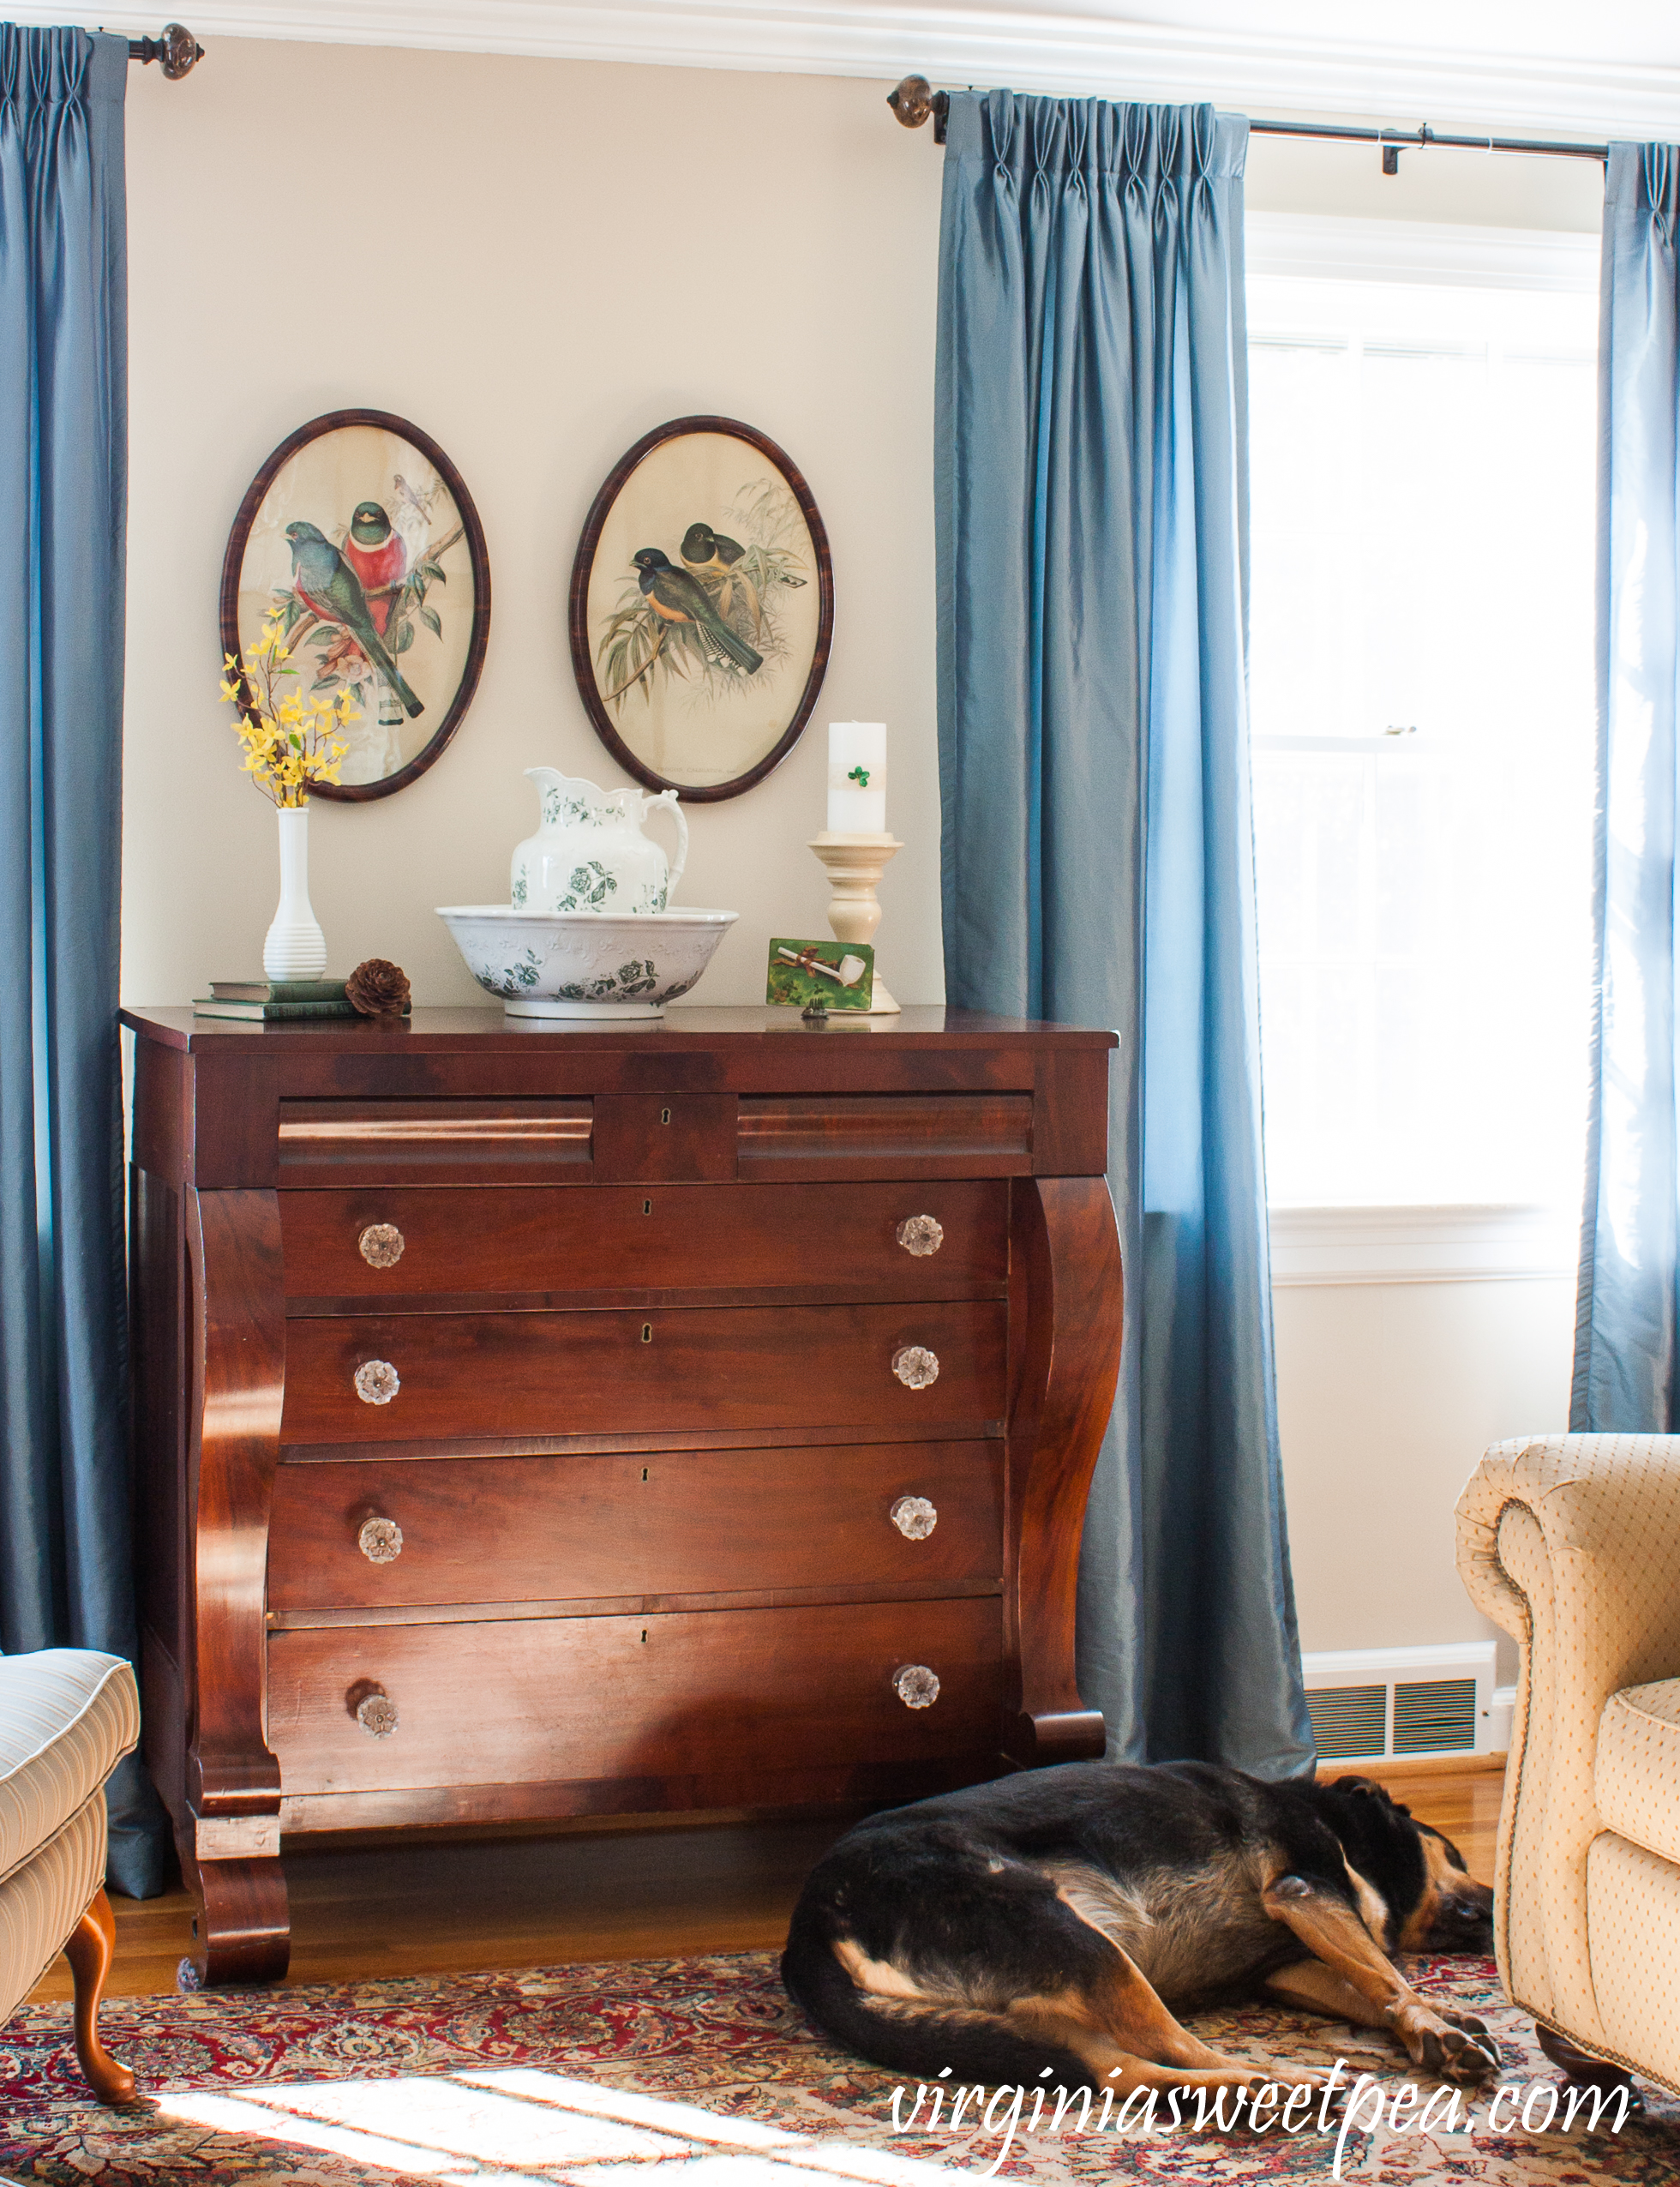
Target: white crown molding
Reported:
point(1328, 247)
point(1253, 72)
point(1420, 1245)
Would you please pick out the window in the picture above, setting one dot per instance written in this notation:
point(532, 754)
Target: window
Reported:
point(1422, 705)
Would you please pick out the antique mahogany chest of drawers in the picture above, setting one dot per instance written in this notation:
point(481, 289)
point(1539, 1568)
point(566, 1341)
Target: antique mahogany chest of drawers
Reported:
point(537, 1422)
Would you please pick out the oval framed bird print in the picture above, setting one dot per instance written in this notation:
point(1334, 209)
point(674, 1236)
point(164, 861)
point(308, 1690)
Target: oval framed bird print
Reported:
point(702, 607)
point(360, 533)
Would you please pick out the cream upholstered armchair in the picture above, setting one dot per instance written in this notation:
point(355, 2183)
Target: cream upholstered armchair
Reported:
point(1572, 1543)
point(67, 1718)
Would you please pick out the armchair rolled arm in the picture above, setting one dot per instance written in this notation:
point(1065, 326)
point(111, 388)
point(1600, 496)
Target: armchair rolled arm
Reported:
point(1603, 1512)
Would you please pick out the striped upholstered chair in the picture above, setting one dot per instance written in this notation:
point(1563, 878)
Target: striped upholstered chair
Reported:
point(67, 1718)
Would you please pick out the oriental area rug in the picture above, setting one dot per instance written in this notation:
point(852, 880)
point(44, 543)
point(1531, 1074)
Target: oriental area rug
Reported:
point(699, 2073)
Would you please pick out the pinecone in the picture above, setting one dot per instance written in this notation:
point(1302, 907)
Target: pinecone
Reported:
point(378, 989)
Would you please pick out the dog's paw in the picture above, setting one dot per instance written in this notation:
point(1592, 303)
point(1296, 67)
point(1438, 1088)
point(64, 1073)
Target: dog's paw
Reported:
point(1279, 2081)
point(1457, 2047)
point(1470, 2024)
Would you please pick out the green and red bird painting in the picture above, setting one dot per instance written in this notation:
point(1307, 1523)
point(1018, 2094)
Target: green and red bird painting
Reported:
point(357, 601)
point(359, 541)
point(330, 589)
point(379, 557)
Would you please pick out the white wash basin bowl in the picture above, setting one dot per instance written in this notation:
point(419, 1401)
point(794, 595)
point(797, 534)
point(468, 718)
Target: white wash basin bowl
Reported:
point(597, 964)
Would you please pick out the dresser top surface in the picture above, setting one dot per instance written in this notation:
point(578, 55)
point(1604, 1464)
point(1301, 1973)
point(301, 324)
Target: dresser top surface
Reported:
point(440, 1031)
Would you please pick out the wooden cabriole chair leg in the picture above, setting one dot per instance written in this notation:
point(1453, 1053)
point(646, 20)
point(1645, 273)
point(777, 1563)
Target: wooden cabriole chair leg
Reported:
point(1580, 2065)
point(89, 1952)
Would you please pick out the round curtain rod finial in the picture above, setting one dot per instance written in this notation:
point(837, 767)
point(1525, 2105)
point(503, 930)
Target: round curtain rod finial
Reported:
point(178, 50)
point(914, 100)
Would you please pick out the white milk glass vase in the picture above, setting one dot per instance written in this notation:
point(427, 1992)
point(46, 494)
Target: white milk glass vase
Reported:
point(296, 948)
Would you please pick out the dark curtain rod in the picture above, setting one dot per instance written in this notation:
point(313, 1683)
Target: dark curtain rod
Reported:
point(177, 49)
point(915, 98)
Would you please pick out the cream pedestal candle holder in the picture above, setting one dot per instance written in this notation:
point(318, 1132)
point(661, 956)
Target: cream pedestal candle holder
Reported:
point(855, 863)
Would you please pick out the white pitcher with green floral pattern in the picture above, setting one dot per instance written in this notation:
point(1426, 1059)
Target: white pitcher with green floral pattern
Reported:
point(591, 853)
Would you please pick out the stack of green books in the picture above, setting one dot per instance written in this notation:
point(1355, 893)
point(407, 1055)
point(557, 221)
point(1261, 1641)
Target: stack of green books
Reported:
point(268, 1000)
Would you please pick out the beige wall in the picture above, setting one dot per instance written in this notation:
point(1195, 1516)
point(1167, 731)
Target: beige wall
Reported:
point(1388, 1395)
point(1468, 189)
point(536, 260)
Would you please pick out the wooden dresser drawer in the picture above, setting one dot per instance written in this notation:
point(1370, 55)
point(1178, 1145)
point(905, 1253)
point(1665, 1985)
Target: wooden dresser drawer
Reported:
point(666, 1370)
point(607, 1137)
point(663, 1523)
point(536, 1699)
point(545, 1242)
point(887, 1135)
point(418, 1141)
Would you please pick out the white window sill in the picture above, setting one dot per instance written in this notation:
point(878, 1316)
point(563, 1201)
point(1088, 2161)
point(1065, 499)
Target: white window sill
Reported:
point(1421, 1245)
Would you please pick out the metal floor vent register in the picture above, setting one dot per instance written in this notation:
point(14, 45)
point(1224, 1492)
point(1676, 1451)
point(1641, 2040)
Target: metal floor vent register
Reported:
point(1381, 1704)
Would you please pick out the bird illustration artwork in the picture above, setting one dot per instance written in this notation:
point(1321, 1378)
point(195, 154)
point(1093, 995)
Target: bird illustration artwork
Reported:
point(710, 554)
point(411, 515)
point(380, 558)
point(706, 551)
point(677, 596)
point(329, 587)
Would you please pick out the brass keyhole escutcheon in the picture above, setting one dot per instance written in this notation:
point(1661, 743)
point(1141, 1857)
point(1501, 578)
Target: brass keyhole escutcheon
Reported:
point(665, 1116)
point(647, 1332)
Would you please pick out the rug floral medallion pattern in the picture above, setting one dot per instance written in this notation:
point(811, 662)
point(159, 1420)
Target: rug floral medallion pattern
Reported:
point(628, 2075)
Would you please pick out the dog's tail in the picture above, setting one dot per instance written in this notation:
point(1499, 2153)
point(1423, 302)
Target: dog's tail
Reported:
point(919, 2035)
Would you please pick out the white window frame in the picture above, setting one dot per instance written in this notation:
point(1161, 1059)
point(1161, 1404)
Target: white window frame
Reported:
point(1313, 1245)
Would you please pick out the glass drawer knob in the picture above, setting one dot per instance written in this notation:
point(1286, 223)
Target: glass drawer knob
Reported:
point(913, 1364)
point(917, 1686)
point(381, 1245)
point(918, 1234)
point(377, 1382)
point(377, 1713)
point(380, 1541)
point(913, 1516)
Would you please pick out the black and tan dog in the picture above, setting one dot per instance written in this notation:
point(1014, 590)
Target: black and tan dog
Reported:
point(1053, 1920)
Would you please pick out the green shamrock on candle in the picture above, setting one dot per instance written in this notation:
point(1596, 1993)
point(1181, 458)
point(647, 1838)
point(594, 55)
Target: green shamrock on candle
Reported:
point(861, 777)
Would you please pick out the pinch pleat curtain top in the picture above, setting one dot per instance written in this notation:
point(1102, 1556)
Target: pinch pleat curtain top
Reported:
point(65, 1575)
point(1097, 847)
point(1625, 1364)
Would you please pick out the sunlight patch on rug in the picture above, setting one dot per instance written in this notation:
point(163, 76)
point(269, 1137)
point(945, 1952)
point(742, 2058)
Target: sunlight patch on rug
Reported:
point(484, 2126)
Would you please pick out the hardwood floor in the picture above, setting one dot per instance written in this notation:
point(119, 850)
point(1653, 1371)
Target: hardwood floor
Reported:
point(427, 1906)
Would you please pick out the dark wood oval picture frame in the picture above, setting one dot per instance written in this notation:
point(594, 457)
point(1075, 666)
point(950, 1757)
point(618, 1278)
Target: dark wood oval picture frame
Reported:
point(713, 596)
point(403, 569)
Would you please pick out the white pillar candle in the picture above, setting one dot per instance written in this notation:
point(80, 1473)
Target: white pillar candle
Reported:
point(857, 778)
